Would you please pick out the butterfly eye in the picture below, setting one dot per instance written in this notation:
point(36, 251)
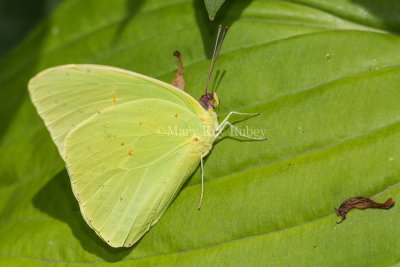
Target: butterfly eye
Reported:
point(215, 100)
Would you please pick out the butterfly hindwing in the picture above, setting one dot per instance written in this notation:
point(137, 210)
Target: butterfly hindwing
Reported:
point(127, 163)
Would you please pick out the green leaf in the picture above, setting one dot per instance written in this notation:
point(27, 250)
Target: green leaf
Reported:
point(212, 7)
point(17, 18)
point(324, 76)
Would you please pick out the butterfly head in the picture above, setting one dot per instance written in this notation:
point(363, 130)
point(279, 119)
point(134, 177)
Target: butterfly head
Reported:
point(209, 101)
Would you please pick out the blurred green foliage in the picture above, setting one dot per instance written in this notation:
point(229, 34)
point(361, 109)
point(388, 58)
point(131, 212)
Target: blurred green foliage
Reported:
point(18, 17)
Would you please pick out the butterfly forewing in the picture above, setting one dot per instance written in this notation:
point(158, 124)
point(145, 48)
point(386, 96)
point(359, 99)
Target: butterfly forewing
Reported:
point(126, 166)
point(67, 95)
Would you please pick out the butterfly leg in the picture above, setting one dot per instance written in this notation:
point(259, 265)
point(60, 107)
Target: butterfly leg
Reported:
point(237, 130)
point(179, 81)
point(232, 113)
point(202, 179)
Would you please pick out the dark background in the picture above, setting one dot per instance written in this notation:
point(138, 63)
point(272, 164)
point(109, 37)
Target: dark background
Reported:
point(18, 17)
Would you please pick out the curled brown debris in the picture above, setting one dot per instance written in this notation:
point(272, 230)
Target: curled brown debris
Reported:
point(361, 203)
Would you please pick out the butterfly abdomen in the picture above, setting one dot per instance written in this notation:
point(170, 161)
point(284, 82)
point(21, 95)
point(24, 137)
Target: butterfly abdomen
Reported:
point(204, 140)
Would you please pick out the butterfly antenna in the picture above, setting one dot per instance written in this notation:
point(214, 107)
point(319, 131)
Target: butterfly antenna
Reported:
point(217, 47)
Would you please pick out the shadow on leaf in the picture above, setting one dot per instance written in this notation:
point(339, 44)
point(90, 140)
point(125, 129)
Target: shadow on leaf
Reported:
point(57, 200)
point(386, 11)
point(132, 7)
point(226, 16)
point(15, 79)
